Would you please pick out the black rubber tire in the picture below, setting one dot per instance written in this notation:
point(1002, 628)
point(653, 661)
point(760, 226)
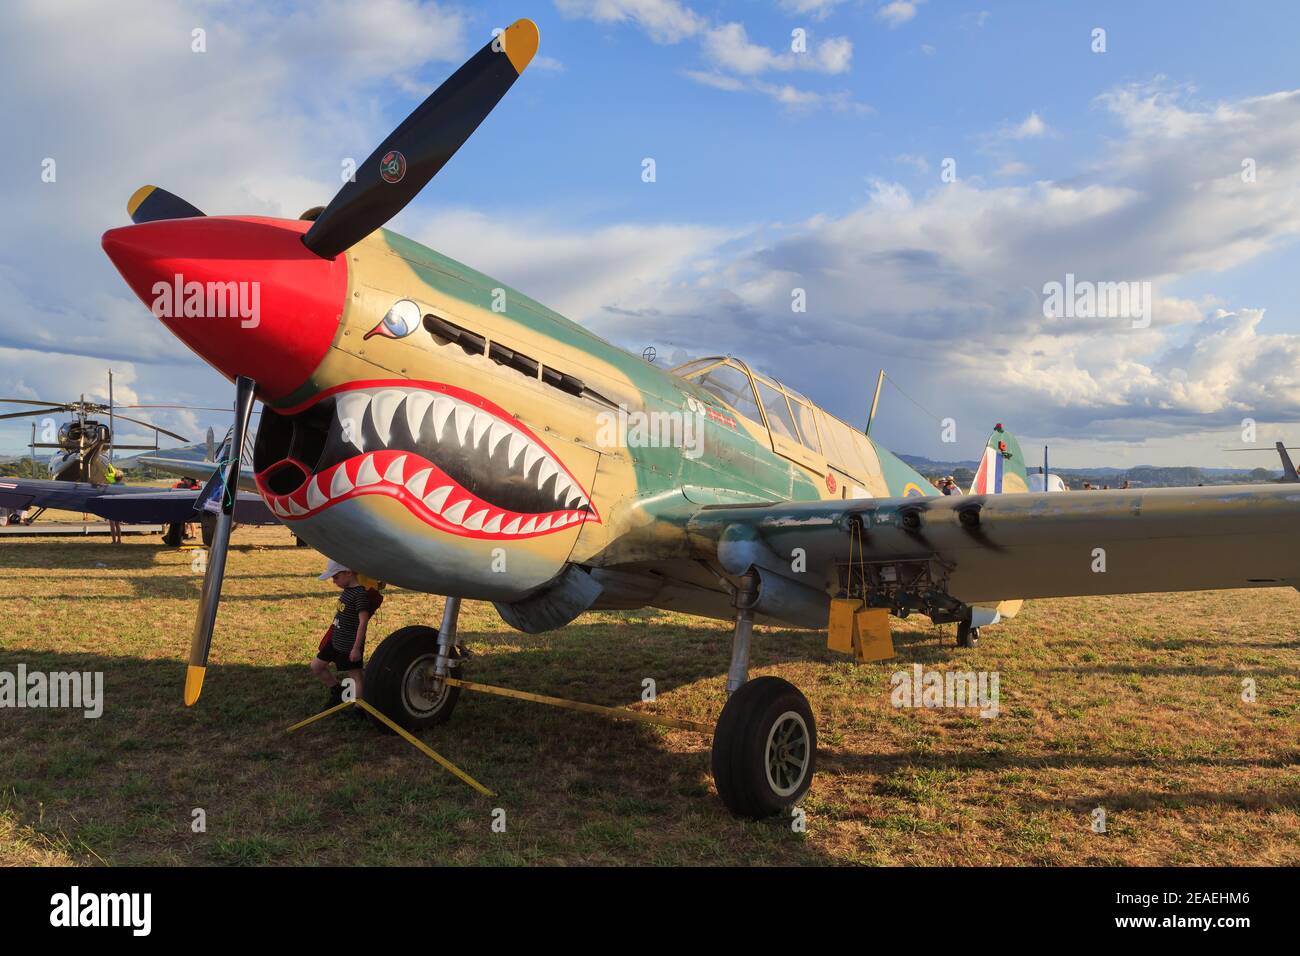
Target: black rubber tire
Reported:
point(174, 536)
point(208, 524)
point(388, 675)
point(967, 636)
point(740, 745)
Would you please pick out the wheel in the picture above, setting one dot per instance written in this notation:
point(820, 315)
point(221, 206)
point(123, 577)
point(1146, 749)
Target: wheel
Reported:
point(400, 679)
point(174, 536)
point(764, 748)
point(208, 522)
point(967, 636)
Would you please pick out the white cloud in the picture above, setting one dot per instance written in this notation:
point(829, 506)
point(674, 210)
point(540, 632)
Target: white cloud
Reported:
point(719, 81)
point(734, 60)
point(581, 273)
point(817, 9)
point(919, 163)
point(1031, 127)
point(665, 21)
point(898, 12)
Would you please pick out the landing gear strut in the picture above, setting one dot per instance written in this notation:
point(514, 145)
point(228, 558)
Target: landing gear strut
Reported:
point(765, 743)
point(967, 636)
point(404, 676)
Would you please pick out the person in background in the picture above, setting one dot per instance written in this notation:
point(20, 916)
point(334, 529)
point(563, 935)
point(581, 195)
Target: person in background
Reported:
point(187, 484)
point(114, 477)
point(345, 644)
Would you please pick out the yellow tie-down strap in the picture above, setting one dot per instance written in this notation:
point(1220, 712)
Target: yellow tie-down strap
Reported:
point(860, 631)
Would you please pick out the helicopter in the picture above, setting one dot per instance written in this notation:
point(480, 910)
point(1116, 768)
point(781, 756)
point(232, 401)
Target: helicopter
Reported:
point(83, 448)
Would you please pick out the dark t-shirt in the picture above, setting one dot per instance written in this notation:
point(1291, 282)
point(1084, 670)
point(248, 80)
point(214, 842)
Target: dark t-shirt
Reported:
point(351, 603)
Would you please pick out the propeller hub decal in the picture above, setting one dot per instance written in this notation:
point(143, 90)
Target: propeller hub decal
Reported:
point(392, 167)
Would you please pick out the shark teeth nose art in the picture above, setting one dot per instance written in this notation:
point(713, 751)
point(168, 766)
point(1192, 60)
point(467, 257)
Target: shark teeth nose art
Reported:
point(455, 460)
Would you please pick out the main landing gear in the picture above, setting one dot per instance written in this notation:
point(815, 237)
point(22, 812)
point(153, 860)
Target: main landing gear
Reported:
point(967, 636)
point(765, 743)
point(404, 678)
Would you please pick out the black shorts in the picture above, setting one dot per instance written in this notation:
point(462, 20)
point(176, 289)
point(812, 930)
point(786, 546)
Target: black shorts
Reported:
point(340, 659)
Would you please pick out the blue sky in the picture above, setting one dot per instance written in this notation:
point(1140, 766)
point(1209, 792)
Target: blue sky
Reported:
point(775, 170)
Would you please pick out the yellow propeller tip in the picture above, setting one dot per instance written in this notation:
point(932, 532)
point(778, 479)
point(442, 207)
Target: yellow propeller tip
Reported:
point(137, 197)
point(521, 40)
point(193, 684)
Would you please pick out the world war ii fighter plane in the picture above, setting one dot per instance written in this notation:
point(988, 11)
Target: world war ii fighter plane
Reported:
point(427, 425)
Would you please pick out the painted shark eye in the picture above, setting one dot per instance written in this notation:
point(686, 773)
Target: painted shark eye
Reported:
point(401, 320)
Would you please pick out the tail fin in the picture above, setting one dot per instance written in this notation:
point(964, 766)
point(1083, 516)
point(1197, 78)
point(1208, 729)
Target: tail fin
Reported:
point(1002, 466)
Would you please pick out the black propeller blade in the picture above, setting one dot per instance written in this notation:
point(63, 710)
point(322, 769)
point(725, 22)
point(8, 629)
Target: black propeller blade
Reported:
point(204, 624)
point(149, 203)
point(415, 151)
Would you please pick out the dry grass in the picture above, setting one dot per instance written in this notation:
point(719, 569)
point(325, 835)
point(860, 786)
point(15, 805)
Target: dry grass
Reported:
point(1132, 704)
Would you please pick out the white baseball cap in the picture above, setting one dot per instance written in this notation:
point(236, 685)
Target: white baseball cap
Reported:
point(332, 569)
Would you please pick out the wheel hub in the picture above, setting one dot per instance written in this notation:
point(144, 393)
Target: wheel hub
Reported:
point(422, 690)
point(787, 753)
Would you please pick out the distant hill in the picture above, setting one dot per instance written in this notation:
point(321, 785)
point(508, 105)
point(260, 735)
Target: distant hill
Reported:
point(197, 451)
point(1140, 476)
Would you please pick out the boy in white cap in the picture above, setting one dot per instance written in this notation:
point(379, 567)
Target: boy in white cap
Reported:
point(346, 644)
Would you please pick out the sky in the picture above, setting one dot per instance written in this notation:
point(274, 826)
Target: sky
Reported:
point(917, 175)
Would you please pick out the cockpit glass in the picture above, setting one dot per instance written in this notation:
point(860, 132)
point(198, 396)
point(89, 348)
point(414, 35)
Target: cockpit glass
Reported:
point(804, 419)
point(779, 419)
point(732, 386)
point(687, 369)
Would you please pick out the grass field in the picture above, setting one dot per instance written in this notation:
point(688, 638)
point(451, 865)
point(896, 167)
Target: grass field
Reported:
point(1132, 704)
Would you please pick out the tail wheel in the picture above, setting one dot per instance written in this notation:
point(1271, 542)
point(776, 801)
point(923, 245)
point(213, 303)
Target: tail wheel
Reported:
point(764, 748)
point(401, 679)
point(967, 636)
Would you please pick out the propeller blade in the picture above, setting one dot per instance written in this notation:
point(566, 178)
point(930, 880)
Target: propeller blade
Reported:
point(206, 621)
point(413, 153)
point(32, 401)
point(150, 203)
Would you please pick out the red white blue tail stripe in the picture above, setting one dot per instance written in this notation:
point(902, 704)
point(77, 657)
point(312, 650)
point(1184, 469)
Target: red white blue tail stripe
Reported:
point(988, 479)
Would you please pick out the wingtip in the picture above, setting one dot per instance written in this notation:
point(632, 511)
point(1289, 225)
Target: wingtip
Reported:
point(522, 39)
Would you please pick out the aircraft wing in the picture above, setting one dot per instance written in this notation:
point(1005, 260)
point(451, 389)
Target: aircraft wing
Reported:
point(198, 470)
point(132, 504)
point(988, 548)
